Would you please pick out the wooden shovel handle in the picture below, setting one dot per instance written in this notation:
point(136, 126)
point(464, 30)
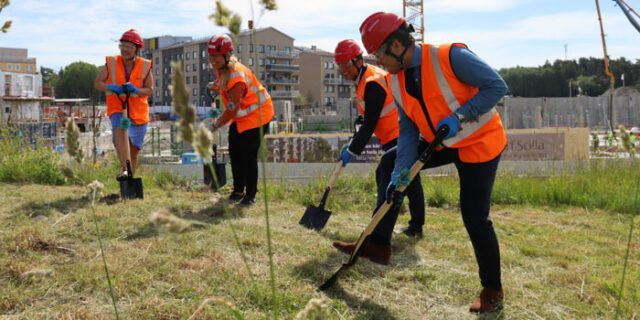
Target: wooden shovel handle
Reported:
point(336, 172)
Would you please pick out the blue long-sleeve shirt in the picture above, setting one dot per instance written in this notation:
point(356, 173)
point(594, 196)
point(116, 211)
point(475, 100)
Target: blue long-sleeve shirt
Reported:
point(469, 69)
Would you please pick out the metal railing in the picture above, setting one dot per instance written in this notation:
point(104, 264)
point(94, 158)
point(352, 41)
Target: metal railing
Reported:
point(282, 94)
point(282, 54)
point(282, 81)
point(283, 67)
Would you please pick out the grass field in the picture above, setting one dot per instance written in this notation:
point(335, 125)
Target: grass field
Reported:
point(558, 261)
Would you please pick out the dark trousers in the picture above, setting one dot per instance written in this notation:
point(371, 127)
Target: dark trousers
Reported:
point(476, 184)
point(382, 234)
point(243, 154)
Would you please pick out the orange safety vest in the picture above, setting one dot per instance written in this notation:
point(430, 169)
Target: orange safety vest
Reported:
point(138, 105)
point(256, 98)
point(387, 127)
point(443, 94)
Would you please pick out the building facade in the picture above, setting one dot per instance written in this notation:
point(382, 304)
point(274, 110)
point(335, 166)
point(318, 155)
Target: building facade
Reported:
point(273, 61)
point(17, 60)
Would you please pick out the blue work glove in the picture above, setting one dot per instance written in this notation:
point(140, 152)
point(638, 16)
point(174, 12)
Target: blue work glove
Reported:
point(131, 88)
point(394, 196)
point(345, 156)
point(214, 113)
point(453, 123)
point(115, 88)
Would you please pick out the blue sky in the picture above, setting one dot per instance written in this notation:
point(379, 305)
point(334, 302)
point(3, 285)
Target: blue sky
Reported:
point(505, 33)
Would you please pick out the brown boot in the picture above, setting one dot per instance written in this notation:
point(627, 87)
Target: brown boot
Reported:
point(376, 253)
point(489, 300)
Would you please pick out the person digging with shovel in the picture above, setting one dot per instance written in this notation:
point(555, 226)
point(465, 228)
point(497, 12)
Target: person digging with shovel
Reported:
point(248, 108)
point(438, 86)
point(376, 105)
point(127, 73)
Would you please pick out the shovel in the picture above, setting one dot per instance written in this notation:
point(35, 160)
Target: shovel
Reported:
point(316, 217)
point(384, 208)
point(130, 188)
point(220, 172)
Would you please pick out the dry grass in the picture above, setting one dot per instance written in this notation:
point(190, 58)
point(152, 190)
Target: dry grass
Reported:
point(557, 263)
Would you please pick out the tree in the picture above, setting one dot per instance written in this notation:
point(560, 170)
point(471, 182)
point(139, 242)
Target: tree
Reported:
point(7, 24)
point(49, 76)
point(76, 81)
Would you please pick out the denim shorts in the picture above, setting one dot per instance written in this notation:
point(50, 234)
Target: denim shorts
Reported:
point(136, 131)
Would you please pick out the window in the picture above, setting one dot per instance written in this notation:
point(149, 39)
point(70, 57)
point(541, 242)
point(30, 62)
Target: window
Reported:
point(204, 66)
point(287, 49)
point(187, 80)
point(173, 57)
point(261, 62)
point(181, 57)
point(250, 48)
point(331, 65)
point(187, 56)
point(188, 67)
point(195, 92)
point(29, 67)
point(239, 48)
point(204, 53)
point(326, 88)
point(157, 71)
point(326, 65)
point(166, 93)
point(157, 60)
point(261, 75)
point(195, 79)
point(9, 66)
point(157, 83)
point(195, 67)
point(157, 94)
point(287, 62)
point(195, 54)
point(250, 61)
point(332, 88)
point(261, 48)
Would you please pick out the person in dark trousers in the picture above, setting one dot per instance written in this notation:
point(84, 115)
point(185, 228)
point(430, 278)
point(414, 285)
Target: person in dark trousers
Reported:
point(376, 105)
point(435, 86)
point(248, 108)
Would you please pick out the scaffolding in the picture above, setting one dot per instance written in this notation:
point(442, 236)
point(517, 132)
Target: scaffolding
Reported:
point(413, 12)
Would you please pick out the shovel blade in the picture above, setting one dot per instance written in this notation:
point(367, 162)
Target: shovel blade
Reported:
point(131, 189)
point(315, 218)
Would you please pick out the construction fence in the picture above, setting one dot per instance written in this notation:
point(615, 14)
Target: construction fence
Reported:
point(590, 112)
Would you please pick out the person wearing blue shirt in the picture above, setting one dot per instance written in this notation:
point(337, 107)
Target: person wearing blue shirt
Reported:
point(437, 86)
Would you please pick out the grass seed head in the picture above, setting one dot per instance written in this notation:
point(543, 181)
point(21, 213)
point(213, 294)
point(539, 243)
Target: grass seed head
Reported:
point(163, 219)
point(316, 309)
point(73, 140)
point(204, 140)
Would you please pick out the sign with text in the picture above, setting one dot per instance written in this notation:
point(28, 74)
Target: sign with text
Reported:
point(535, 146)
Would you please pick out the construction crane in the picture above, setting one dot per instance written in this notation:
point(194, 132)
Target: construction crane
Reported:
point(606, 70)
point(413, 12)
point(627, 10)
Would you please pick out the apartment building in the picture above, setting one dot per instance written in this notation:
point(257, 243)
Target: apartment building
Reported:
point(276, 64)
point(17, 60)
point(322, 84)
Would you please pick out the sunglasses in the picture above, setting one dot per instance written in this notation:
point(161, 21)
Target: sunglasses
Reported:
point(126, 46)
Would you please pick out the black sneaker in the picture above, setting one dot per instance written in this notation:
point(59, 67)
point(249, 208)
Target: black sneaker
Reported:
point(123, 176)
point(246, 201)
point(412, 232)
point(236, 196)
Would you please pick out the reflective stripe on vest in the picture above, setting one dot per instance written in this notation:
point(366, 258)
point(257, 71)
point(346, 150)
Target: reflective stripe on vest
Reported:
point(467, 128)
point(262, 96)
point(112, 76)
point(387, 108)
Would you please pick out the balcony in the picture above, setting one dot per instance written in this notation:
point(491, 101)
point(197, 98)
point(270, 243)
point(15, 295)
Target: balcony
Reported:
point(282, 67)
point(282, 54)
point(282, 94)
point(283, 81)
point(337, 81)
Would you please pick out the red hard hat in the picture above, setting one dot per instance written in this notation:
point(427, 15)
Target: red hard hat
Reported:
point(133, 36)
point(377, 27)
point(220, 44)
point(346, 51)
